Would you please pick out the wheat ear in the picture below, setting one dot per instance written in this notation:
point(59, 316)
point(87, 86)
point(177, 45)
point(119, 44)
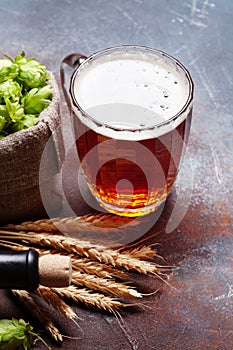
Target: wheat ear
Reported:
point(143, 252)
point(87, 249)
point(81, 264)
point(52, 299)
point(39, 312)
point(89, 298)
point(96, 268)
point(88, 266)
point(85, 223)
point(104, 285)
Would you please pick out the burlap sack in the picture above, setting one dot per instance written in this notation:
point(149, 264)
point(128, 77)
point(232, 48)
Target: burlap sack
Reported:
point(20, 165)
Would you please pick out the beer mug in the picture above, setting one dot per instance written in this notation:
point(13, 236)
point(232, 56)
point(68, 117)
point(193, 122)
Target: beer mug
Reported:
point(132, 110)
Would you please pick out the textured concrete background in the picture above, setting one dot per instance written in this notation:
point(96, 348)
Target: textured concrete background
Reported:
point(196, 310)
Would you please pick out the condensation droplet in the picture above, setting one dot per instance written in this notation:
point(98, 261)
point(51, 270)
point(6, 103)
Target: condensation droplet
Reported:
point(162, 106)
point(142, 124)
point(146, 85)
point(175, 82)
point(165, 94)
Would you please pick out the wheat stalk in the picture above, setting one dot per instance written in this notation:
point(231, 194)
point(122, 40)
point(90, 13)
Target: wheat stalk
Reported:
point(81, 264)
point(87, 249)
point(57, 303)
point(89, 266)
point(89, 298)
point(39, 312)
point(85, 223)
point(104, 285)
point(94, 265)
point(86, 265)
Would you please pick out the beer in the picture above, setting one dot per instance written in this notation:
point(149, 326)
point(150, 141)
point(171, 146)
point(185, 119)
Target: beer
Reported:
point(132, 120)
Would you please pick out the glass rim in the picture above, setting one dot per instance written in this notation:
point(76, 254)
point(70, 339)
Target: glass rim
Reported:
point(144, 49)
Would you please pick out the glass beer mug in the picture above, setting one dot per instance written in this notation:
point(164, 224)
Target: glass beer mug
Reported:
point(132, 110)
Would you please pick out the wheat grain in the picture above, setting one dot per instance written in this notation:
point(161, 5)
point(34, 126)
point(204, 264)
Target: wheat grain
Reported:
point(143, 252)
point(104, 285)
point(89, 298)
point(39, 312)
point(96, 268)
point(52, 299)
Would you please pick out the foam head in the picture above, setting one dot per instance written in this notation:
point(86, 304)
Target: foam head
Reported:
point(134, 89)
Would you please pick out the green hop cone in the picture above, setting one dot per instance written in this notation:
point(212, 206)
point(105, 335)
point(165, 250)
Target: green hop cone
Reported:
point(8, 69)
point(27, 121)
point(36, 100)
point(4, 112)
point(24, 93)
point(31, 73)
point(11, 90)
point(15, 110)
point(5, 120)
point(15, 334)
point(2, 123)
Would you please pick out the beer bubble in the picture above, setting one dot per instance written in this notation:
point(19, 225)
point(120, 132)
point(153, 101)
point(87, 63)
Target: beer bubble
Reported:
point(165, 94)
point(146, 85)
point(142, 124)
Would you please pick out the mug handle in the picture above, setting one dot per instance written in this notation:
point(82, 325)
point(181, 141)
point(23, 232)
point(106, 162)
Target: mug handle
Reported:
point(67, 67)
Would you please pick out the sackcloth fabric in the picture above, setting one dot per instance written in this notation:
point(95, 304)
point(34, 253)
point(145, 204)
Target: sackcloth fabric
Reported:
point(22, 171)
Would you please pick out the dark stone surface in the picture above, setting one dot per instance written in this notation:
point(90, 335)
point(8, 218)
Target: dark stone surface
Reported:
point(195, 309)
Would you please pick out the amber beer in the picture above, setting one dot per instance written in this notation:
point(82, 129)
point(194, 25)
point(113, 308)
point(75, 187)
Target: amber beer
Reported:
point(133, 108)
